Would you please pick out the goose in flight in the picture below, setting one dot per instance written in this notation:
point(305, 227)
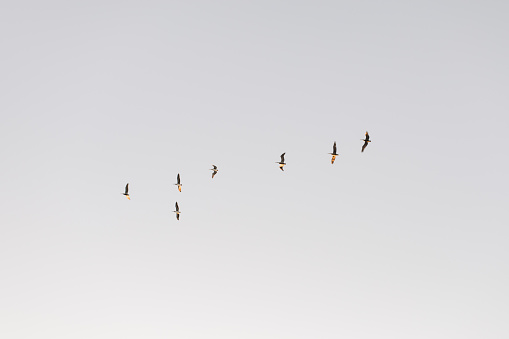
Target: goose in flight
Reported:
point(126, 193)
point(177, 211)
point(179, 185)
point(334, 153)
point(215, 170)
point(365, 142)
point(282, 162)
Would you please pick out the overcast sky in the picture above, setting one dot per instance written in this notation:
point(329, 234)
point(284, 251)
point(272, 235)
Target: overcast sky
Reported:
point(406, 240)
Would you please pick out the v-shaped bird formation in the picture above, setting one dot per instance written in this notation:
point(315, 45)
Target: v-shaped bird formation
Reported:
point(281, 164)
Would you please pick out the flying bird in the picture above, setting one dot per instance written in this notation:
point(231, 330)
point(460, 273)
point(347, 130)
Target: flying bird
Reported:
point(215, 170)
point(365, 141)
point(126, 193)
point(177, 211)
point(282, 162)
point(334, 153)
point(179, 185)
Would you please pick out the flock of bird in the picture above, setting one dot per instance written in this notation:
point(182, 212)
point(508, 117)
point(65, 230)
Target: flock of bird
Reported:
point(281, 165)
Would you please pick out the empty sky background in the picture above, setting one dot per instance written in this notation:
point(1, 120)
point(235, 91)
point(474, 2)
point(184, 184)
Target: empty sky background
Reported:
point(406, 240)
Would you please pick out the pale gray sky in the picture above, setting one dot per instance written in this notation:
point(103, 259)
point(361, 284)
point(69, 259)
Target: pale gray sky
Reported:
point(405, 240)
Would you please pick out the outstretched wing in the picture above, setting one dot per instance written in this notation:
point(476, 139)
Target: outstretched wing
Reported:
point(178, 178)
point(334, 148)
point(215, 167)
point(213, 173)
point(178, 215)
point(176, 206)
point(283, 157)
point(126, 189)
point(333, 158)
point(367, 135)
point(364, 146)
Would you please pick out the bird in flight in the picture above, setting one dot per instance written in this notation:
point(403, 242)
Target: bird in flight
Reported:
point(179, 185)
point(282, 162)
point(215, 170)
point(177, 211)
point(126, 193)
point(334, 153)
point(365, 141)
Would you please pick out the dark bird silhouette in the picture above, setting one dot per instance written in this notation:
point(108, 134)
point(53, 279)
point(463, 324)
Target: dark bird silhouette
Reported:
point(334, 153)
point(282, 162)
point(177, 211)
point(365, 142)
point(215, 170)
point(126, 193)
point(179, 186)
